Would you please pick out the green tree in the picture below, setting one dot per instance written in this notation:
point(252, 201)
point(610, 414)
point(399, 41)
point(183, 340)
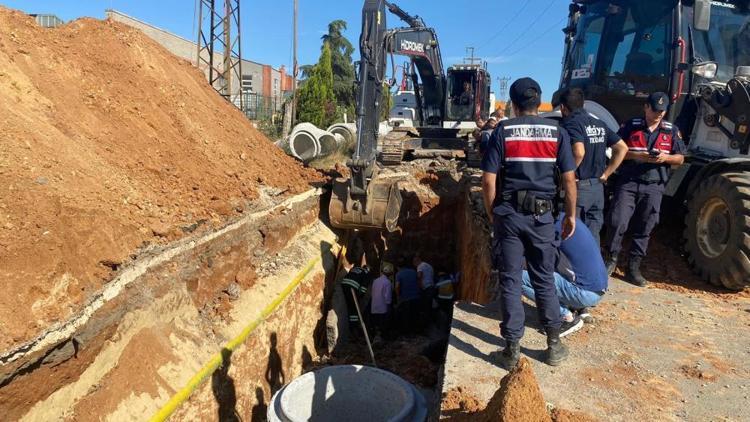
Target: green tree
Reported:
point(342, 65)
point(317, 103)
point(386, 103)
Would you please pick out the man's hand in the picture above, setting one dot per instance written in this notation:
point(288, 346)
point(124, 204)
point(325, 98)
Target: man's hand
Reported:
point(603, 178)
point(658, 159)
point(568, 226)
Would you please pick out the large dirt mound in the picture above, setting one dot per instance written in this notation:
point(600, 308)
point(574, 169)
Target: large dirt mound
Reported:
point(109, 143)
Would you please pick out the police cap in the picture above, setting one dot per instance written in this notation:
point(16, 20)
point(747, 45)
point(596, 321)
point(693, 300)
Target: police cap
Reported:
point(658, 101)
point(525, 89)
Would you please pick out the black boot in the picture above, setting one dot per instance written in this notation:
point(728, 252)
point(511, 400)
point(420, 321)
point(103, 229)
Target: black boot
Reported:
point(611, 264)
point(509, 357)
point(634, 272)
point(556, 350)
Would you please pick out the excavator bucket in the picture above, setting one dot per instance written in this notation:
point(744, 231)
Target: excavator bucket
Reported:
point(378, 210)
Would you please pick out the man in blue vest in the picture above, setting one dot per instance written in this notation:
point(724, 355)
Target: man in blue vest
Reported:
point(590, 138)
point(525, 153)
point(580, 277)
point(654, 145)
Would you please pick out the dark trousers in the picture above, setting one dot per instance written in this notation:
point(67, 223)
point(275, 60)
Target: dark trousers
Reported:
point(640, 202)
point(351, 309)
point(521, 235)
point(590, 204)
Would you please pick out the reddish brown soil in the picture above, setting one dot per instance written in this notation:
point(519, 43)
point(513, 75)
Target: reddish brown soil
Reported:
point(461, 400)
point(518, 399)
point(697, 373)
point(109, 143)
point(666, 269)
point(562, 415)
point(402, 357)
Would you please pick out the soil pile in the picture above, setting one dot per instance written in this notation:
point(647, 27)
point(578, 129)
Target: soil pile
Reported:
point(519, 399)
point(109, 143)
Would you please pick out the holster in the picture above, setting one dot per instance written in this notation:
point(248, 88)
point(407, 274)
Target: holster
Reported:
point(526, 202)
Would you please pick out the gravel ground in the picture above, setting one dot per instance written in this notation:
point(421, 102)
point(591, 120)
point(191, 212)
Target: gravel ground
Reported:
point(651, 354)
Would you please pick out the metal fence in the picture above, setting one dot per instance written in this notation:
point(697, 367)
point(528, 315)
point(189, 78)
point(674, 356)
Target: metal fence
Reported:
point(259, 107)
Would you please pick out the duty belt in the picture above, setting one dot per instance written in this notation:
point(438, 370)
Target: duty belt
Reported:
point(588, 182)
point(527, 202)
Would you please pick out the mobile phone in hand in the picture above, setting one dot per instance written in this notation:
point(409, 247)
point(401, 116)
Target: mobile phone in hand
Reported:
point(653, 153)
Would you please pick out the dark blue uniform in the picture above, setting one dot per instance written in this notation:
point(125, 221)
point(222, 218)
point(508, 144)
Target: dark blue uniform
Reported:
point(640, 186)
point(524, 153)
point(596, 137)
point(357, 280)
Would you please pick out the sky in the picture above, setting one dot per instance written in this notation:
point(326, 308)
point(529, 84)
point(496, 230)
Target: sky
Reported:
point(516, 37)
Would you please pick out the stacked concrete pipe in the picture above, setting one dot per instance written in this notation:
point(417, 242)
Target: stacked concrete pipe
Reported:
point(307, 142)
point(347, 130)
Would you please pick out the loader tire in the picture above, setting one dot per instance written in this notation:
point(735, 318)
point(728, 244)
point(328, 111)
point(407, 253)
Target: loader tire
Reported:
point(717, 230)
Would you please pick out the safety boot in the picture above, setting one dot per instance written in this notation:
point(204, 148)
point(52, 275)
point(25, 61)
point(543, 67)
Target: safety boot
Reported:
point(556, 350)
point(509, 357)
point(634, 272)
point(611, 264)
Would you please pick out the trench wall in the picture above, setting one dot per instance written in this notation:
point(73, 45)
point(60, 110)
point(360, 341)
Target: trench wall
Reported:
point(473, 245)
point(134, 350)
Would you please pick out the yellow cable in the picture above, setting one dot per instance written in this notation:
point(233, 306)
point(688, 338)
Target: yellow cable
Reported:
point(217, 359)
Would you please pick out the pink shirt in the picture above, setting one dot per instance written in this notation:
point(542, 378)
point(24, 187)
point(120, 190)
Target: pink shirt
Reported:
point(382, 293)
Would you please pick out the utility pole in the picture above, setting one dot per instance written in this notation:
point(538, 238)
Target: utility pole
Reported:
point(295, 67)
point(471, 57)
point(503, 87)
point(290, 110)
point(222, 30)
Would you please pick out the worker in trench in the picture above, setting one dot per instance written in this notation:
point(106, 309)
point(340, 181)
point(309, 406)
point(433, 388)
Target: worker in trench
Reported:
point(524, 154)
point(356, 281)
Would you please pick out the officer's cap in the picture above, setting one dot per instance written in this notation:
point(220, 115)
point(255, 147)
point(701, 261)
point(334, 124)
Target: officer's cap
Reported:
point(525, 89)
point(658, 101)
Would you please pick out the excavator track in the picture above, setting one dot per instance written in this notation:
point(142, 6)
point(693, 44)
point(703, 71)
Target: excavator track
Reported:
point(392, 148)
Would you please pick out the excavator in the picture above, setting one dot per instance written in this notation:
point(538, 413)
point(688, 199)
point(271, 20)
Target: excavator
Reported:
point(698, 51)
point(369, 199)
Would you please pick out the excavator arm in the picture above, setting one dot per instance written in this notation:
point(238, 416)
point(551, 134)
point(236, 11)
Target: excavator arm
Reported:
point(367, 201)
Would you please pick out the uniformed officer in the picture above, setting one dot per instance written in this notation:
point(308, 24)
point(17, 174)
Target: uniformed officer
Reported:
point(524, 154)
point(654, 145)
point(590, 138)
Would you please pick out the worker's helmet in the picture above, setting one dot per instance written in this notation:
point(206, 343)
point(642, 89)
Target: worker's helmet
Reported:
point(386, 268)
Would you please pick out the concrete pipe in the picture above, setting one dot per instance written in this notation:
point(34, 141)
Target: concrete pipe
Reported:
point(348, 393)
point(347, 130)
point(303, 145)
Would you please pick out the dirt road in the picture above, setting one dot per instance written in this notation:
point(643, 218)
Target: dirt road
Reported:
point(652, 354)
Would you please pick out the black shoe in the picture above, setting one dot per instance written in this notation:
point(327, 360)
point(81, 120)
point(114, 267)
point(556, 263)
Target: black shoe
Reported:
point(585, 315)
point(571, 327)
point(556, 350)
point(509, 357)
point(634, 272)
point(611, 265)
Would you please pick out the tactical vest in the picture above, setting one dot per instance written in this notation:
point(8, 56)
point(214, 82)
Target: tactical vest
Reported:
point(530, 155)
point(638, 139)
point(638, 142)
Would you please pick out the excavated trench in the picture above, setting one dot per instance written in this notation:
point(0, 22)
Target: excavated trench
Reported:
point(162, 318)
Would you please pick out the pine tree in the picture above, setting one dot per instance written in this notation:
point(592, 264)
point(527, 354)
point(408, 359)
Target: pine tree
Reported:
point(316, 100)
point(342, 65)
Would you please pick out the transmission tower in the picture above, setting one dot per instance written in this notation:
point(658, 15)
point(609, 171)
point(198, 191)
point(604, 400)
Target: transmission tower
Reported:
point(503, 88)
point(219, 46)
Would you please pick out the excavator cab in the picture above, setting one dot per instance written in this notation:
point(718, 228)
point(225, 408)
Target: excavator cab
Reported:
point(468, 93)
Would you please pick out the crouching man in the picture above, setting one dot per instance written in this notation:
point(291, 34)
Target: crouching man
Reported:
point(580, 277)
